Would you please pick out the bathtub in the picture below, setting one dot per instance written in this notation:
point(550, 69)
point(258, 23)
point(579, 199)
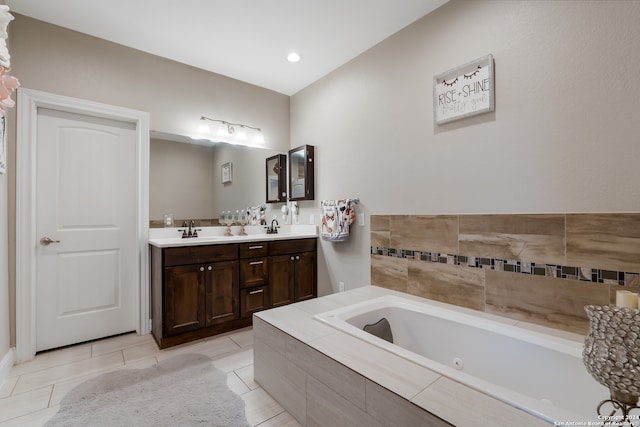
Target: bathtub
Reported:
point(538, 373)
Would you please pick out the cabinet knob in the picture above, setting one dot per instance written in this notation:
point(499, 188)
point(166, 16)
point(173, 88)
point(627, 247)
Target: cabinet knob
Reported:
point(201, 268)
point(292, 258)
point(209, 268)
point(297, 257)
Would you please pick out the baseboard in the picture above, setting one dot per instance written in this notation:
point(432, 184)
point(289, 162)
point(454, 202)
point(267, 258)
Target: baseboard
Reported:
point(5, 365)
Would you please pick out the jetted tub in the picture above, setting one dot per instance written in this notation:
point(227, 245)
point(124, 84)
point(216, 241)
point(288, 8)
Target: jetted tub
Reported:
point(541, 374)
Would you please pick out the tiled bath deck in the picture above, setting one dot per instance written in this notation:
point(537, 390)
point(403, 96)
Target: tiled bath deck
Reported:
point(308, 384)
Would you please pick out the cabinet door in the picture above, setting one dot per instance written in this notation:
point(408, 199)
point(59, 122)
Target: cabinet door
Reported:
point(305, 276)
point(184, 293)
point(222, 290)
point(281, 279)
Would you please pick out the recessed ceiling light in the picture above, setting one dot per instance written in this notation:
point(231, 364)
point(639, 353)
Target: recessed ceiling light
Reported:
point(294, 57)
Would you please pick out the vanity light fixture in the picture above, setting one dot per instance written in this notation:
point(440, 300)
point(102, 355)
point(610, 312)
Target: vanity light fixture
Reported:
point(235, 131)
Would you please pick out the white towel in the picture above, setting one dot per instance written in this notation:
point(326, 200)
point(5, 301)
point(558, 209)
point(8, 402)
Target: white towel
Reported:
point(337, 216)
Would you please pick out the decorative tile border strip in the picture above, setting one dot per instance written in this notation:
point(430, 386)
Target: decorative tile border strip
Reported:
point(538, 269)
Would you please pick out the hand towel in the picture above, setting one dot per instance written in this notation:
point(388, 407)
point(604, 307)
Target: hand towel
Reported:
point(337, 216)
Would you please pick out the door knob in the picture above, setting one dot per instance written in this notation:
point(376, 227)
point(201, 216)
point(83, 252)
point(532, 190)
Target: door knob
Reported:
point(47, 241)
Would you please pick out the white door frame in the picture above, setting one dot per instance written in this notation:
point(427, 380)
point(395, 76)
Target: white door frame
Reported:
point(26, 240)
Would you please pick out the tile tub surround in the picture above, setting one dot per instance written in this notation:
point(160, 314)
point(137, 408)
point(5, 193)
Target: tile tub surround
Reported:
point(322, 376)
point(539, 268)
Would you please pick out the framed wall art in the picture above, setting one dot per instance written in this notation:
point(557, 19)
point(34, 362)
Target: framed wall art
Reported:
point(464, 91)
point(227, 173)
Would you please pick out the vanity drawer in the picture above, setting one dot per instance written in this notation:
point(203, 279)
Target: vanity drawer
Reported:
point(254, 249)
point(198, 254)
point(283, 247)
point(254, 272)
point(253, 299)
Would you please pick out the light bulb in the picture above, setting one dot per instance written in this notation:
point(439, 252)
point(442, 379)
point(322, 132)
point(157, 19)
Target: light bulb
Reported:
point(242, 134)
point(203, 127)
point(258, 138)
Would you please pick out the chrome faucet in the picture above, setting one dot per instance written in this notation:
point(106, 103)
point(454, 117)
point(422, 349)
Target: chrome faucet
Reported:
point(273, 229)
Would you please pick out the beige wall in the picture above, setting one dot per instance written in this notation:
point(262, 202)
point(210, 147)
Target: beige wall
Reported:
point(563, 137)
point(56, 60)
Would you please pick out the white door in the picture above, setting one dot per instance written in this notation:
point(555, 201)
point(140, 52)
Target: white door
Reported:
point(86, 261)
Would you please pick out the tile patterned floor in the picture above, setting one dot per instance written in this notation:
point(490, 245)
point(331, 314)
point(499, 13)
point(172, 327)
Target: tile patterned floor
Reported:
point(32, 393)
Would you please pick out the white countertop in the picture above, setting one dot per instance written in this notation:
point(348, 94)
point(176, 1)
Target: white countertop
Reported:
point(170, 237)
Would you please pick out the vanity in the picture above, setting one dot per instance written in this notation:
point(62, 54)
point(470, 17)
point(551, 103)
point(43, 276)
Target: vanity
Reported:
point(213, 283)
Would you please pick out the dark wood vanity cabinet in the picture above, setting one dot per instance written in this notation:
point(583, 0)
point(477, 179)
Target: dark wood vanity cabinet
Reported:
point(292, 271)
point(198, 291)
point(254, 278)
point(194, 292)
point(200, 295)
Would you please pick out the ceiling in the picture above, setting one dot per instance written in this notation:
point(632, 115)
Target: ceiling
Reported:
point(247, 40)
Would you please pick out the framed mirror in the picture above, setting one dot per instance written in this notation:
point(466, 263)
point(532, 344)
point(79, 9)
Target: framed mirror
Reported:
point(277, 179)
point(301, 179)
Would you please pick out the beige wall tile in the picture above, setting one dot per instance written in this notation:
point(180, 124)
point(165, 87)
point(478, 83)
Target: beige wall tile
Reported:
point(401, 376)
point(339, 378)
point(380, 231)
point(379, 222)
point(433, 233)
point(533, 238)
point(547, 301)
point(380, 239)
point(604, 241)
point(462, 406)
point(296, 322)
point(389, 272)
point(392, 410)
point(280, 378)
point(326, 408)
point(269, 334)
point(463, 286)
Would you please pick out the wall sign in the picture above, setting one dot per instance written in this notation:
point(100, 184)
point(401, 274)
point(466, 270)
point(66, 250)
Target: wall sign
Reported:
point(464, 91)
point(227, 173)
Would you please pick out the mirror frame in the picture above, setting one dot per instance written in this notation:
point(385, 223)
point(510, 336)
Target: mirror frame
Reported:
point(309, 182)
point(281, 197)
